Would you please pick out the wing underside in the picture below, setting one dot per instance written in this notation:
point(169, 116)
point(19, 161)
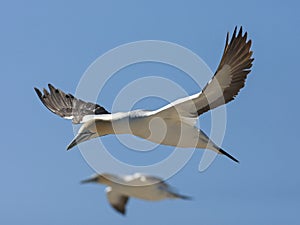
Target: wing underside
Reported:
point(67, 106)
point(117, 200)
point(229, 78)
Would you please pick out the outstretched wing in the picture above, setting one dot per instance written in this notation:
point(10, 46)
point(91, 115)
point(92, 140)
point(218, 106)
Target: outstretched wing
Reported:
point(67, 106)
point(231, 74)
point(117, 200)
point(229, 78)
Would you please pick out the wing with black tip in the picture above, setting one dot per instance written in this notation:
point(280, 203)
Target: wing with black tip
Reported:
point(117, 200)
point(229, 78)
point(67, 106)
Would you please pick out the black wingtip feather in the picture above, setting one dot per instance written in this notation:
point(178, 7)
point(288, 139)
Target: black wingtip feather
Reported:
point(246, 35)
point(50, 86)
point(240, 31)
point(227, 39)
point(45, 91)
point(234, 34)
point(38, 92)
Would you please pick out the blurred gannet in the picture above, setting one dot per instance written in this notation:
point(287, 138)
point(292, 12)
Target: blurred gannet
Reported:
point(173, 124)
point(121, 188)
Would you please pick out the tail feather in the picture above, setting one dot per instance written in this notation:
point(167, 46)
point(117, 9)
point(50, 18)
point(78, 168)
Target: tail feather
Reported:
point(175, 195)
point(221, 151)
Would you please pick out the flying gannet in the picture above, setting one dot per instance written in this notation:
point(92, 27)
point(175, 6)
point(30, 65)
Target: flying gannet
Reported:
point(121, 188)
point(173, 124)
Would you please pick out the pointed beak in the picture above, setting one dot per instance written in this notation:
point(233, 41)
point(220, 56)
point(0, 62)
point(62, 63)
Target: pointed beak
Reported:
point(91, 180)
point(80, 137)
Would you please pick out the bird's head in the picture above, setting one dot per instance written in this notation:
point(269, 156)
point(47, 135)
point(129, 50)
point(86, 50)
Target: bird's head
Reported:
point(98, 178)
point(86, 132)
point(94, 179)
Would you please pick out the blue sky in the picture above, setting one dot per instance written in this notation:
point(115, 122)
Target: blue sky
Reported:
point(55, 41)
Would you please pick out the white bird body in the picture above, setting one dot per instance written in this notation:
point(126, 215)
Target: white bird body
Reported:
point(121, 188)
point(142, 187)
point(173, 124)
point(150, 125)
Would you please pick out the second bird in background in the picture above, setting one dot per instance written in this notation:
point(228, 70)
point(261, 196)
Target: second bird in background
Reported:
point(121, 188)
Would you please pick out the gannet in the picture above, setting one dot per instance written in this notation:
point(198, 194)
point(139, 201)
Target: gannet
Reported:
point(120, 188)
point(173, 124)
